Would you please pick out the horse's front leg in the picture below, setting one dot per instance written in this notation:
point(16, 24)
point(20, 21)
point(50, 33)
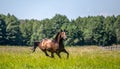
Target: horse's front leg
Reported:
point(58, 53)
point(66, 53)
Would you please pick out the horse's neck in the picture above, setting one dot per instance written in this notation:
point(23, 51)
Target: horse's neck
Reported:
point(59, 40)
point(61, 43)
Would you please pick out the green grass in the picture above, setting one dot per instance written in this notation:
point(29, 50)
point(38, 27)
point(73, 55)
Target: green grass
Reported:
point(13, 57)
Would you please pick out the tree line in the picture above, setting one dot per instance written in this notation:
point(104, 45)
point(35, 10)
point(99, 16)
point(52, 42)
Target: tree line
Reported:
point(91, 30)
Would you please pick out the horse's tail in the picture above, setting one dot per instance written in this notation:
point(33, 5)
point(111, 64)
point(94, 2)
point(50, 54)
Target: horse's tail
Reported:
point(35, 46)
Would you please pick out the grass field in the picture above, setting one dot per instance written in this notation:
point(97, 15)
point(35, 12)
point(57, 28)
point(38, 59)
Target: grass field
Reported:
point(92, 57)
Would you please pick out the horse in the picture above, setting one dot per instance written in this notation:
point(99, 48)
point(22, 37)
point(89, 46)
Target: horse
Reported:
point(52, 45)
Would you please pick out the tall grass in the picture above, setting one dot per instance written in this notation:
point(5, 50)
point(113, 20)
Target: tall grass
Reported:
point(13, 57)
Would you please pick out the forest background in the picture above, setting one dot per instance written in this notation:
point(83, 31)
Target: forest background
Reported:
point(90, 30)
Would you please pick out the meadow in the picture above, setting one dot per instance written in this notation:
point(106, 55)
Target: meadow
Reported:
point(86, 57)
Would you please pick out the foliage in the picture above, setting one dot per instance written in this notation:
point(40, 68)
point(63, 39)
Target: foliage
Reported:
point(2, 32)
point(91, 30)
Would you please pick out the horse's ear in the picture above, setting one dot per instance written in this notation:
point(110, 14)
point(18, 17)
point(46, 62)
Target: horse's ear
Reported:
point(61, 30)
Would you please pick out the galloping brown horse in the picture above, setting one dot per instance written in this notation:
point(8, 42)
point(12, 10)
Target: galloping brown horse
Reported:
point(54, 46)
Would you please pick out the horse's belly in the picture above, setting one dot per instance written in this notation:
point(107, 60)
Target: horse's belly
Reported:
point(52, 47)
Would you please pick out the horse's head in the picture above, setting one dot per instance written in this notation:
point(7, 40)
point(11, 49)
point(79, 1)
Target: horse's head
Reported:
point(63, 35)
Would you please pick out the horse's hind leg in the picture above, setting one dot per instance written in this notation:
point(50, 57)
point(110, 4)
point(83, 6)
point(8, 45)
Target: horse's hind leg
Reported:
point(35, 46)
point(52, 54)
point(66, 53)
point(45, 52)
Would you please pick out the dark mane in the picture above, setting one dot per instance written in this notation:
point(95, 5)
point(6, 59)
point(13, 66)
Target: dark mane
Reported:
point(56, 38)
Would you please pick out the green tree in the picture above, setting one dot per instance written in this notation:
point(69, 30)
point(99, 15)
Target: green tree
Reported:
point(97, 30)
point(109, 33)
point(12, 30)
point(57, 22)
point(2, 32)
point(117, 29)
point(26, 29)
